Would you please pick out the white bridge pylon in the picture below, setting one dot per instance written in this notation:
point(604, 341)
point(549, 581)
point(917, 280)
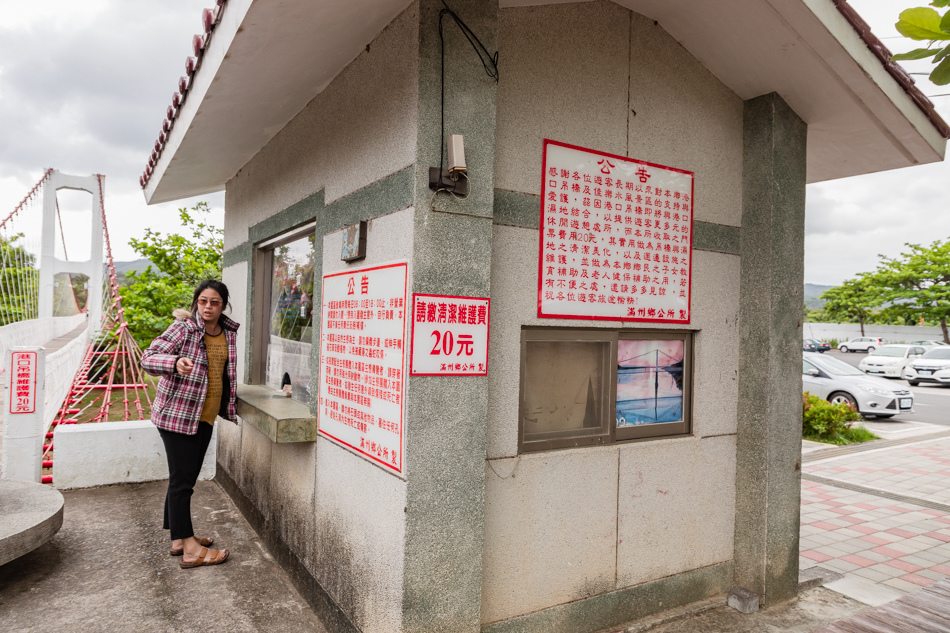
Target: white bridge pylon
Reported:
point(50, 265)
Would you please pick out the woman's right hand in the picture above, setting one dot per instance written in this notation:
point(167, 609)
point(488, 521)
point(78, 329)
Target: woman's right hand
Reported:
point(184, 366)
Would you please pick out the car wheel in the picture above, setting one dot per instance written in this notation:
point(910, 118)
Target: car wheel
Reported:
point(871, 349)
point(844, 348)
point(843, 397)
point(913, 383)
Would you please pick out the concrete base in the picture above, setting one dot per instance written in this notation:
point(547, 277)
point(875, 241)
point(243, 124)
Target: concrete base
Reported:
point(30, 514)
point(107, 453)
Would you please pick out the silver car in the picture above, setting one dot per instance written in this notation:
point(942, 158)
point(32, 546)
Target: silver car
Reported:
point(933, 366)
point(837, 381)
point(890, 360)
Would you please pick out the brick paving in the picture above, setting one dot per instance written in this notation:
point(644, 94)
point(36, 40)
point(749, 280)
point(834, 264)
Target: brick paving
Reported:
point(897, 544)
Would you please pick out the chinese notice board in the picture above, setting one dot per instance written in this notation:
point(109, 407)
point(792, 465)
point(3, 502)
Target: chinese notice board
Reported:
point(616, 237)
point(362, 357)
point(449, 336)
point(23, 382)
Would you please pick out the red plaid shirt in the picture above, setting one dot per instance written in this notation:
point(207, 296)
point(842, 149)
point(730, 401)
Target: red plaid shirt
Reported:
point(178, 399)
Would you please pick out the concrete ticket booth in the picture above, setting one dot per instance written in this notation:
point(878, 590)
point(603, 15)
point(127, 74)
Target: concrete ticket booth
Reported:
point(563, 391)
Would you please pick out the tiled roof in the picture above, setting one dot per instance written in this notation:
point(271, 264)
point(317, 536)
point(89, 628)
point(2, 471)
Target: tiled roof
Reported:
point(209, 20)
point(895, 69)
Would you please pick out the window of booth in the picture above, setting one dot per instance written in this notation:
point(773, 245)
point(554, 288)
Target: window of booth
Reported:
point(284, 312)
point(587, 387)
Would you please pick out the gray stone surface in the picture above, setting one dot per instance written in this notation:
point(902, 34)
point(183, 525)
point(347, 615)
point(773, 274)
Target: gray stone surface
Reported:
point(769, 440)
point(108, 569)
point(809, 612)
point(446, 416)
point(743, 600)
point(30, 514)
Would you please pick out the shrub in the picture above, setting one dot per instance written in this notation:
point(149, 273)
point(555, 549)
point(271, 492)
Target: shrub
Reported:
point(834, 343)
point(823, 421)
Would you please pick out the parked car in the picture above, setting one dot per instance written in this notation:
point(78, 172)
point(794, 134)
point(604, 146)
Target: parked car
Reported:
point(933, 366)
point(861, 344)
point(814, 345)
point(928, 343)
point(890, 360)
point(836, 381)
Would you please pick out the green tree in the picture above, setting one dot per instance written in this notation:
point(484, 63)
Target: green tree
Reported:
point(180, 263)
point(917, 284)
point(853, 300)
point(924, 24)
point(19, 281)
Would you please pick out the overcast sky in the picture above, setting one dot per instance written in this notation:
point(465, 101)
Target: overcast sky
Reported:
point(84, 87)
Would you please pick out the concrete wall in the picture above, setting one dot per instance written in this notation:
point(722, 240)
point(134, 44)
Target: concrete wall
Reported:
point(890, 333)
point(561, 526)
point(340, 518)
point(360, 129)
point(108, 453)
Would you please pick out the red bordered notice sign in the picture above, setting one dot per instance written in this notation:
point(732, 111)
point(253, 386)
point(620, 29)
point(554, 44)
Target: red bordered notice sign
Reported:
point(23, 382)
point(616, 237)
point(362, 359)
point(449, 336)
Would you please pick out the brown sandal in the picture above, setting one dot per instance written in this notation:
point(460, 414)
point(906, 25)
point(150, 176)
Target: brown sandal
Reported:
point(207, 557)
point(203, 540)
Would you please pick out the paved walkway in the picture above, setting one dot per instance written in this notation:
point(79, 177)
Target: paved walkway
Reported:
point(880, 517)
point(108, 569)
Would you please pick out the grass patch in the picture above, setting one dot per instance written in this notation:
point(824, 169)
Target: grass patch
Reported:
point(852, 435)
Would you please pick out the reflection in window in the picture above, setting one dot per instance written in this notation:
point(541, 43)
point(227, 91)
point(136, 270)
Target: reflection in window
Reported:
point(291, 317)
point(564, 389)
point(649, 381)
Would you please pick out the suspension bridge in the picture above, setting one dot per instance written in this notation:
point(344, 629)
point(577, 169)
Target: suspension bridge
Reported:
point(66, 354)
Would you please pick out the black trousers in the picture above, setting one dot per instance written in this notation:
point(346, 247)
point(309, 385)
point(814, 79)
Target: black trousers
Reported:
point(185, 453)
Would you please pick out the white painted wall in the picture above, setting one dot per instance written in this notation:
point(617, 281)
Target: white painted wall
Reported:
point(569, 524)
point(890, 333)
point(346, 138)
point(107, 453)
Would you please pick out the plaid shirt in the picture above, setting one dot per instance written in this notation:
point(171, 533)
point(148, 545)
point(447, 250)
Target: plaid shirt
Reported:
point(178, 399)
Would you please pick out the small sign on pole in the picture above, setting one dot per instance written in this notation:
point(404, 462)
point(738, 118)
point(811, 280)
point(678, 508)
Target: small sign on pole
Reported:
point(449, 336)
point(23, 382)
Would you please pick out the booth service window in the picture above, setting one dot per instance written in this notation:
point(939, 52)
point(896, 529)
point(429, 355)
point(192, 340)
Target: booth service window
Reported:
point(583, 387)
point(285, 312)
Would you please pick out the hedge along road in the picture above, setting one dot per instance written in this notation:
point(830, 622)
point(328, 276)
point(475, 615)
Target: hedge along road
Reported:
point(931, 401)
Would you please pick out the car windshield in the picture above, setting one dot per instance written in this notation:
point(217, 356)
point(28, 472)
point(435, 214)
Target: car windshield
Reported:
point(941, 353)
point(889, 351)
point(837, 367)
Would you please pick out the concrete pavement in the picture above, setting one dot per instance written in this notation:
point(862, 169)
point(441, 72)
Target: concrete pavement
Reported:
point(108, 569)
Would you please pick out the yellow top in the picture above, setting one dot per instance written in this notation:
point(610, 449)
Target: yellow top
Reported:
point(217, 347)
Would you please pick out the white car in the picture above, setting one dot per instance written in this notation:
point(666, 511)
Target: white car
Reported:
point(861, 344)
point(890, 360)
point(927, 344)
point(838, 382)
point(933, 366)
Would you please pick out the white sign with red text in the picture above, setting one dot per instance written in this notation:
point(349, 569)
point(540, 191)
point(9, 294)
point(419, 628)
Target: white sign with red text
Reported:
point(449, 336)
point(362, 359)
point(23, 382)
point(616, 237)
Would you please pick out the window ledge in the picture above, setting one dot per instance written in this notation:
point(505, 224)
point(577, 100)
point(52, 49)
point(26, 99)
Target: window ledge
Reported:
point(275, 415)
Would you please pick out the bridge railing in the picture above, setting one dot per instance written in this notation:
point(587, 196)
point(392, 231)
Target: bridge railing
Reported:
point(35, 332)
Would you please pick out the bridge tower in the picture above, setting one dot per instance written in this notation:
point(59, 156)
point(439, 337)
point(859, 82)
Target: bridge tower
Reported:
point(50, 265)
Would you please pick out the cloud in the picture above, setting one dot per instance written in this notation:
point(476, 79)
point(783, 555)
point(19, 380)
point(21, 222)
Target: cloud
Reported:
point(83, 89)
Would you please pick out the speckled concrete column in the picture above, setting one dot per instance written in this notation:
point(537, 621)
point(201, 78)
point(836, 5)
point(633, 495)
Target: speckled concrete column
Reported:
point(769, 438)
point(446, 416)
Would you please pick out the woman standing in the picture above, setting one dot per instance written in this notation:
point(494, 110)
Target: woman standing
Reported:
point(196, 358)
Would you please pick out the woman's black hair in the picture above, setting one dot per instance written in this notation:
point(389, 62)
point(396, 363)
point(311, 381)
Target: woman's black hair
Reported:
point(215, 285)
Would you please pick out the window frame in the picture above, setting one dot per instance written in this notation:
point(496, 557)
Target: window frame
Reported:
point(263, 262)
point(613, 435)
